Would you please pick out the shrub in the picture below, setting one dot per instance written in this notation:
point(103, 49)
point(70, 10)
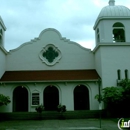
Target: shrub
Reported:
point(116, 99)
point(4, 100)
point(40, 108)
point(61, 108)
point(112, 95)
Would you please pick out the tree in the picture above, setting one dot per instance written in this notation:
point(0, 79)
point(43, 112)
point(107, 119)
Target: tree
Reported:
point(116, 99)
point(112, 95)
point(125, 84)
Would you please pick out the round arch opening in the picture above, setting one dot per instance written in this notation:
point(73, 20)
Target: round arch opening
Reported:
point(51, 98)
point(81, 98)
point(20, 99)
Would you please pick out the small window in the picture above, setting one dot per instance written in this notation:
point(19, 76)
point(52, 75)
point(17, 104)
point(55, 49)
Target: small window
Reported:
point(118, 32)
point(1, 36)
point(0, 39)
point(119, 74)
point(98, 35)
point(126, 74)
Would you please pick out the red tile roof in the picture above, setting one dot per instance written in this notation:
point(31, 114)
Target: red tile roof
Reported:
point(49, 75)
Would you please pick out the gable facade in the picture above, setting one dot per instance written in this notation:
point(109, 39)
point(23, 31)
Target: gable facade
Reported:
point(53, 70)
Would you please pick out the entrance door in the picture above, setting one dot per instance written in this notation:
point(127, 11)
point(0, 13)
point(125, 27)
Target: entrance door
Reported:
point(51, 98)
point(20, 99)
point(81, 98)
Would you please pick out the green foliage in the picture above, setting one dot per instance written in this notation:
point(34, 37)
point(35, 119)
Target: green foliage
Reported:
point(125, 84)
point(99, 98)
point(61, 108)
point(126, 93)
point(117, 98)
point(4, 100)
point(112, 95)
point(40, 108)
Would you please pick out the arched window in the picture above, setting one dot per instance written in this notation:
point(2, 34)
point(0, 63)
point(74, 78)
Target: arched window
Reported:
point(1, 33)
point(118, 32)
point(81, 98)
point(0, 39)
point(20, 99)
point(51, 98)
point(98, 35)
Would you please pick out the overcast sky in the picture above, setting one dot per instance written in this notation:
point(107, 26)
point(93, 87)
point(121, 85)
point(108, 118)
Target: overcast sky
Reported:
point(74, 19)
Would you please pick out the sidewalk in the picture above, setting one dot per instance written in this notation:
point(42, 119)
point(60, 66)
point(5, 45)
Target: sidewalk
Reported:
point(71, 124)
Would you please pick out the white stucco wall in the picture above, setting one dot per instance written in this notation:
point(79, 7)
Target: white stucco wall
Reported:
point(26, 57)
point(114, 58)
point(2, 62)
point(98, 62)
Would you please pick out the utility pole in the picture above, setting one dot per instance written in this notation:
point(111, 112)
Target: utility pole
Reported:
point(100, 105)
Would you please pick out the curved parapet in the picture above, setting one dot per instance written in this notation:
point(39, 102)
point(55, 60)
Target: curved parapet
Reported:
point(50, 29)
point(49, 33)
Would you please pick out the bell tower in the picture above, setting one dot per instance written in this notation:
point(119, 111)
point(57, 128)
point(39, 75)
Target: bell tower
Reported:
point(112, 24)
point(2, 32)
point(112, 51)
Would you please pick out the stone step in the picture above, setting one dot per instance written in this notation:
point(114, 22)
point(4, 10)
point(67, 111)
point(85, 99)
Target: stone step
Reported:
point(49, 115)
point(68, 128)
point(81, 128)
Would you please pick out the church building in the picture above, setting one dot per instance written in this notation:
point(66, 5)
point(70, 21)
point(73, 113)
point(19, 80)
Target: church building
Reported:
point(53, 70)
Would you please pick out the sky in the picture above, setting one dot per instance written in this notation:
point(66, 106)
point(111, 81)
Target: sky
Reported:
point(74, 19)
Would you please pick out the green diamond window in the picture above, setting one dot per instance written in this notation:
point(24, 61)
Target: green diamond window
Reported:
point(50, 54)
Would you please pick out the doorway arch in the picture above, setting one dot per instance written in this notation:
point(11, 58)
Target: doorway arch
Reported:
point(81, 98)
point(20, 99)
point(51, 98)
